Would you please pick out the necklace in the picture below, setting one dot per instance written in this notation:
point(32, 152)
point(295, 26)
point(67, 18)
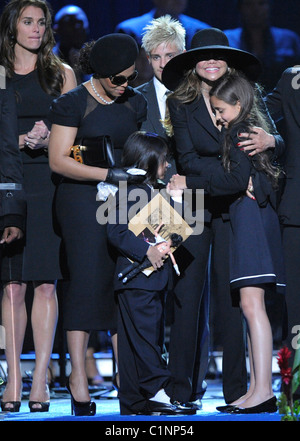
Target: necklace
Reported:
point(99, 96)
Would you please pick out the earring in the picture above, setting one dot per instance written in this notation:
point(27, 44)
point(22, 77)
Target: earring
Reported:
point(11, 39)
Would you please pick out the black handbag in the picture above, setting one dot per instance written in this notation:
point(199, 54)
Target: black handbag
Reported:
point(97, 152)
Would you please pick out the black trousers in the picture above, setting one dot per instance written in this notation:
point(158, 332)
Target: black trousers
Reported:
point(189, 334)
point(189, 330)
point(142, 369)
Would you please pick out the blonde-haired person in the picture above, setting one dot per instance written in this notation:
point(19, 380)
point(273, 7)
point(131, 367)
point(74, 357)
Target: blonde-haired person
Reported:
point(37, 76)
point(163, 39)
point(164, 29)
point(135, 27)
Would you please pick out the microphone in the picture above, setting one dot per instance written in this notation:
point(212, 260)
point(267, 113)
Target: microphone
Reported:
point(135, 268)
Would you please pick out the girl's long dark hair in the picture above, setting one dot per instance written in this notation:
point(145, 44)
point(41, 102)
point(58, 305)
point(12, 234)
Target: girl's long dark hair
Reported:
point(50, 68)
point(235, 87)
point(146, 151)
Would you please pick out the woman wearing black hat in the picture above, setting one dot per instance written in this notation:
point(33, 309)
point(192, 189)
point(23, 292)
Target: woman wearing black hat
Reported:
point(198, 141)
point(105, 105)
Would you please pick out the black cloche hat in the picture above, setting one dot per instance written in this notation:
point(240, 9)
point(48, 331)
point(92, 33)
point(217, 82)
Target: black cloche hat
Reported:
point(206, 44)
point(113, 53)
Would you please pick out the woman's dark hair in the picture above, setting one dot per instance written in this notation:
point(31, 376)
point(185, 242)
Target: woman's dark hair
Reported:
point(83, 62)
point(146, 151)
point(50, 68)
point(233, 88)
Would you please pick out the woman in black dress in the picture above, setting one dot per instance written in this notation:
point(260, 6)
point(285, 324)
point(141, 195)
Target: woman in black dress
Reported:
point(105, 105)
point(37, 77)
point(12, 196)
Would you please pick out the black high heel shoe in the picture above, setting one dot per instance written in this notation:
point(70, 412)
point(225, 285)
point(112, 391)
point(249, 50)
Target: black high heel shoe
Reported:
point(14, 406)
point(81, 408)
point(43, 406)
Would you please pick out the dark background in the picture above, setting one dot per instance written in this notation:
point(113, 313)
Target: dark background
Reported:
point(104, 15)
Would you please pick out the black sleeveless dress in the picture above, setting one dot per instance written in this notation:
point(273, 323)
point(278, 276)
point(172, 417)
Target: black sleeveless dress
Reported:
point(36, 258)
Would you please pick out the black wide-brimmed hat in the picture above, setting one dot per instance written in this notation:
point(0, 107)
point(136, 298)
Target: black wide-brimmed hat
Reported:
point(208, 44)
point(112, 54)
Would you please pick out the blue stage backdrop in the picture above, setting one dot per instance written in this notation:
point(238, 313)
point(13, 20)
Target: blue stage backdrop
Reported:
point(104, 15)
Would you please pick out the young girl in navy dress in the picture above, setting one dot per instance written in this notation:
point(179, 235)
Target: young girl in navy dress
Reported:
point(255, 242)
point(142, 370)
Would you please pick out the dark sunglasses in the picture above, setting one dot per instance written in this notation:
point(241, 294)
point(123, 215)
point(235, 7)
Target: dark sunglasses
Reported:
point(118, 80)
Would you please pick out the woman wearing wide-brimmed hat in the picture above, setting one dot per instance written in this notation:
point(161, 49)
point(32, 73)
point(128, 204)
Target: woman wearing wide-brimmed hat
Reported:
point(198, 142)
point(104, 105)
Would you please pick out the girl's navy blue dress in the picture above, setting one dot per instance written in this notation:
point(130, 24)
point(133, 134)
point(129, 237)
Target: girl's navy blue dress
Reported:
point(255, 245)
point(256, 256)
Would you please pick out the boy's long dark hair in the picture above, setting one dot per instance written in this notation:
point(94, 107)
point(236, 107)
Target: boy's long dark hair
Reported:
point(146, 151)
point(235, 87)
